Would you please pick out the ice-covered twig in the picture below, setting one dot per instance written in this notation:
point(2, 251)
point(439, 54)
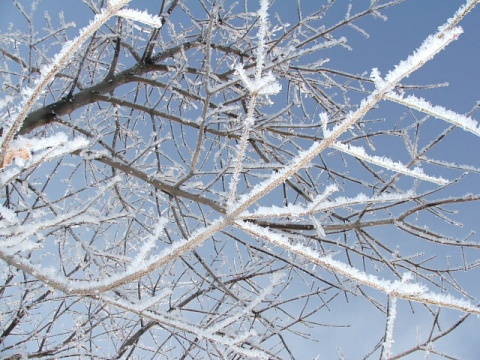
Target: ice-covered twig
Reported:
point(141, 16)
point(391, 315)
point(359, 153)
point(17, 235)
point(149, 244)
point(241, 148)
point(36, 151)
point(220, 326)
point(413, 102)
point(8, 215)
point(261, 85)
point(184, 325)
point(400, 289)
point(150, 301)
point(180, 247)
point(262, 33)
point(404, 69)
point(459, 15)
point(264, 85)
point(321, 204)
point(429, 48)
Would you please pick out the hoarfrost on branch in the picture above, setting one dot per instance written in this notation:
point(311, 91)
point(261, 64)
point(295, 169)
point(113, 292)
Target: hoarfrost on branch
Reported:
point(212, 185)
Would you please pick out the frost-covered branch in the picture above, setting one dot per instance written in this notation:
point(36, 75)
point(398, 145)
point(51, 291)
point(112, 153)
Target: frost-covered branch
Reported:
point(141, 16)
point(425, 52)
point(260, 86)
point(181, 324)
point(359, 153)
point(48, 72)
point(31, 152)
point(400, 289)
point(322, 204)
point(462, 121)
point(391, 316)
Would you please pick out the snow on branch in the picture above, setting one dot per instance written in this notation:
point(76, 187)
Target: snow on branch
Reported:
point(141, 16)
point(17, 235)
point(450, 165)
point(149, 243)
point(400, 289)
point(219, 327)
point(113, 281)
point(359, 153)
point(236, 208)
point(176, 322)
point(147, 302)
point(343, 201)
point(48, 72)
point(35, 150)
point(459, 15)
point(429, 48)
point(342, 41)
point(413, 102)
point(321, 204)
point(391, 315)
point(262, 84)
point(262, 33)
point(180, 247)
point(8, 216)
point(116, 3)
point(29, 152)
point(60, 282)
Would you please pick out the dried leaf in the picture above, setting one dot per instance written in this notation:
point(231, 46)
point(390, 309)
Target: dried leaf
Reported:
point(22, 153)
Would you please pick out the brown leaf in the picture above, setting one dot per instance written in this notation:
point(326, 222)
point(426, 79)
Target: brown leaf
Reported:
point(22, 153)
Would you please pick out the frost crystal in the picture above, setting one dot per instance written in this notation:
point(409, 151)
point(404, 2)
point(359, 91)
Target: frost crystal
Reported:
point(141, 16)
point(264, 85)
point(462, 121)
point(359, 153)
